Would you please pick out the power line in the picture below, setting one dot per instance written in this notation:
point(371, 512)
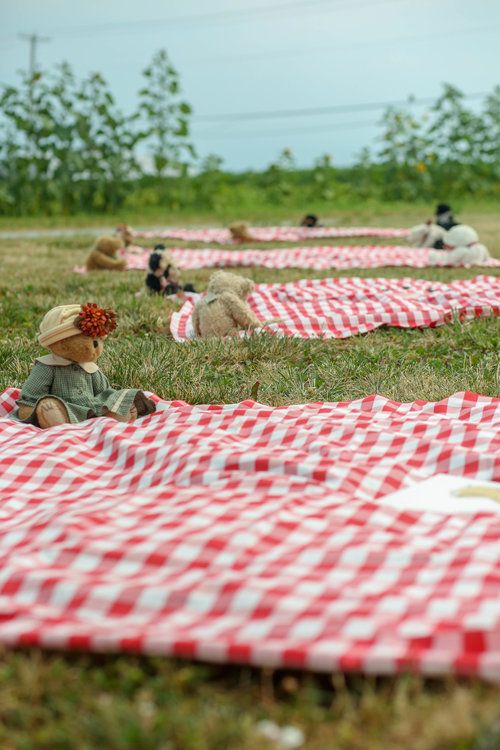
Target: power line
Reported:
point(298, 52)
point(222, 16)
point(33, 39)
point(191, 19)
point(309, 111)
point(287, 132)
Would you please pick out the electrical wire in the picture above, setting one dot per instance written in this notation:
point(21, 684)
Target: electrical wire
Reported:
point(287, 131)
point(332, 47)
point(223, 16)
point(313, 111)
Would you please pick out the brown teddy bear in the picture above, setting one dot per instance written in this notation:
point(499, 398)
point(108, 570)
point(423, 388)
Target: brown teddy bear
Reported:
point(224, 310)
point(126, 233)
point(240, 232)
point(103, 255)
point(67, 385)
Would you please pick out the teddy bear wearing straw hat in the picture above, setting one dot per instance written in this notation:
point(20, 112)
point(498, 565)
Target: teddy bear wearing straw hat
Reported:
point(67, 386)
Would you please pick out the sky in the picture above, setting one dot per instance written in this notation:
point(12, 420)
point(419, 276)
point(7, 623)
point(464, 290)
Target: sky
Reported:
point(257, 56)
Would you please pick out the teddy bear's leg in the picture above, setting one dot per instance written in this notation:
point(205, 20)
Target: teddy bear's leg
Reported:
point(25, 412)
point(129, 417)
point(111, 264)
point(50, 412)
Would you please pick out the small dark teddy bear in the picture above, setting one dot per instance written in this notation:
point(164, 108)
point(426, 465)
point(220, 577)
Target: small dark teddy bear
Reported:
point(67, 386)
point(103, 255)
point(444, 217)
point(163, 275)
point(310, 220)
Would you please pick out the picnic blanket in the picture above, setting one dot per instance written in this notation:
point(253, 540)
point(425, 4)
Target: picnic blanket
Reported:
point(271, 234)
point(342, 307)
point(252, 534)
point(318, 258)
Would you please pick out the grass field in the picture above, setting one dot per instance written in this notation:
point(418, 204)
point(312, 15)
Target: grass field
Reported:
point(90, 702)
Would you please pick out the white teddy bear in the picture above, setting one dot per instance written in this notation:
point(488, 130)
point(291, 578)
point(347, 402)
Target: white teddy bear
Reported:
point(462, 247)
point(426, 235)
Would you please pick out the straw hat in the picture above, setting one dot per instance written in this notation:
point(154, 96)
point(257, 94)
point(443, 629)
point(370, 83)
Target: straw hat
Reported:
point(59, 323)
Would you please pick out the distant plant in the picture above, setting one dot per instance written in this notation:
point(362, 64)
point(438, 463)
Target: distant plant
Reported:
point(276, 178)
point(449, 149)
point(166, 116)
point(67, 147)
point(323, 178)
point(210, 183)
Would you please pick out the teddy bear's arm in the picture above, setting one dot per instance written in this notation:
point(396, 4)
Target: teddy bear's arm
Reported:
point(100, 260)
point(174, 273)
point(37, 385)
point(196, 321)
point(239, 311)
point(100, 383)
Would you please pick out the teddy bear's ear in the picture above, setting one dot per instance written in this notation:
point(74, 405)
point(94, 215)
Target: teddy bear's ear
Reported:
point(218, 282)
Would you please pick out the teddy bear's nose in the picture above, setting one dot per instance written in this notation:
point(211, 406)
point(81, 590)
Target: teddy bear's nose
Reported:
point(96, 344)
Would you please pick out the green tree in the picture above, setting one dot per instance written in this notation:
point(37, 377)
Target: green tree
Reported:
point(166, 116)
point(107, 141)
point(277, 178)
point(26, 159)
point(323, 178)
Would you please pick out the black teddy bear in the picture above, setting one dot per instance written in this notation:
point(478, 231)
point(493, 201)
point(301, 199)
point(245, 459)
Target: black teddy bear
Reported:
point(163, 275)
point(310, 220)
point(444, 219)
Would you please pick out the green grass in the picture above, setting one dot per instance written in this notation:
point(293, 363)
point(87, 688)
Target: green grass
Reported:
point(263, 211)
point(115, 702)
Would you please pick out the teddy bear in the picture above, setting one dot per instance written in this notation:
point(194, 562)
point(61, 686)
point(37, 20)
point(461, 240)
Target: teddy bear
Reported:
point(103, 255)
point(67, 386)
point(163, 274)
point(310, 220)
point(224, 310)
point(240, 232)
point(427, 235)
point(444, 216)
point(126, 234)
point(461, 247)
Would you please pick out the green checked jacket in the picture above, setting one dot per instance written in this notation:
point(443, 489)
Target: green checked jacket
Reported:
point(84, 394)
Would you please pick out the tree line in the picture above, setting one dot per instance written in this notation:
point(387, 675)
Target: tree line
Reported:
point(66, 147)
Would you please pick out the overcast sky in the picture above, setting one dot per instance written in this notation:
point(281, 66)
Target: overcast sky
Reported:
point(239, 56)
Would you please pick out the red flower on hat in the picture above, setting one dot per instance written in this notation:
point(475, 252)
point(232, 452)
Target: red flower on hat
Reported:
point(95, 321)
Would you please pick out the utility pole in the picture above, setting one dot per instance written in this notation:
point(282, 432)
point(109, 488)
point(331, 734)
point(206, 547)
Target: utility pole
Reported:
point(33, 39)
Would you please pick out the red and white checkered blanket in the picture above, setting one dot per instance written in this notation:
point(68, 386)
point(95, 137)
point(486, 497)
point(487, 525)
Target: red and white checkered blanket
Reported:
point(338, 308)
point(271, 234)
point(319, 258)
point(252, 534)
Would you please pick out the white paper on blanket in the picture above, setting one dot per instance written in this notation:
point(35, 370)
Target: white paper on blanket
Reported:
point(447, 494)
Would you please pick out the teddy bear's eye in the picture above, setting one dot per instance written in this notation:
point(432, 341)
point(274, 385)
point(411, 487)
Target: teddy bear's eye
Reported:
point(96, 344)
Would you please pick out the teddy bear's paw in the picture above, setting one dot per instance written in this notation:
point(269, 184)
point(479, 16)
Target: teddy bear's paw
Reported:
point(128, 417)
point(50, 412)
